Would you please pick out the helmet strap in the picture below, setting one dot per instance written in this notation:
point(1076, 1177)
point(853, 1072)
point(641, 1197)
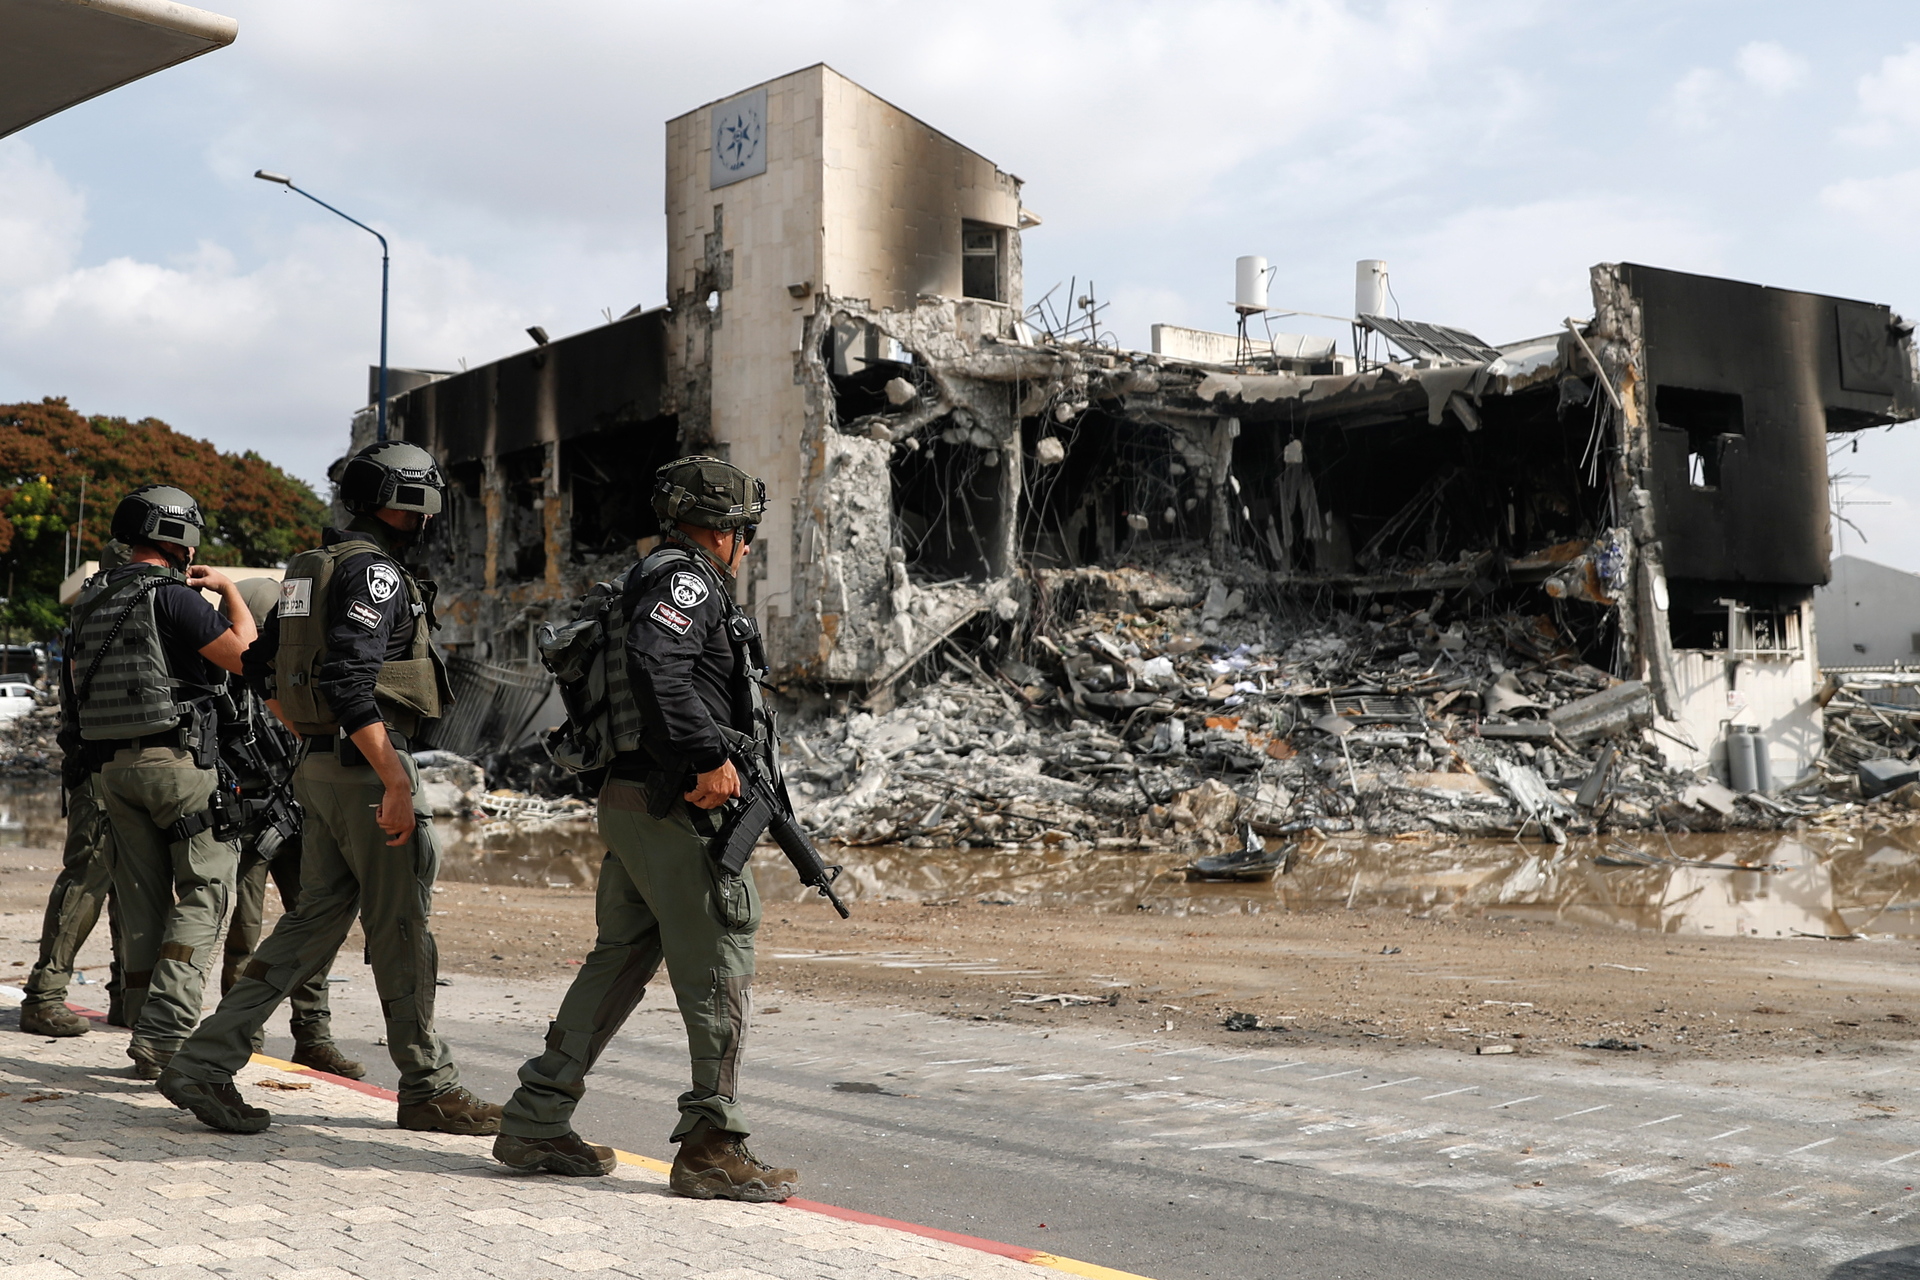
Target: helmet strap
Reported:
point(678, 537)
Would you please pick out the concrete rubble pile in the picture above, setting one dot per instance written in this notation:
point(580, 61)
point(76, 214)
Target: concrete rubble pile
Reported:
point(1872, 755)
point(1184, 717)
point(29, 746)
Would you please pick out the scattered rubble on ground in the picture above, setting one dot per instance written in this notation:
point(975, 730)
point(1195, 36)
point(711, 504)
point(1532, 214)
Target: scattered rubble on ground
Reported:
point(28, 746)
point(1172, 712)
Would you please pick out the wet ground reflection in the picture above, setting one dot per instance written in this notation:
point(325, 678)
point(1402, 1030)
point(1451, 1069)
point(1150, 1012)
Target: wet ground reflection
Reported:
point(1821, 883)
point(1825, 883)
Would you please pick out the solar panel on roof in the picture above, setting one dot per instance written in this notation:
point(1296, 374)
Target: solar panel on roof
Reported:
point(1432, 341)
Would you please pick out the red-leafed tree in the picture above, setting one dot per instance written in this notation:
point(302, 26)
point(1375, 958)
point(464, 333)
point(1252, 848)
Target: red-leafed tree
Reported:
point(256, 513)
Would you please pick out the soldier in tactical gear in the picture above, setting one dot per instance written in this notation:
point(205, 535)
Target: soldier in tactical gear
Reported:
point(347, 661)
point(148, 660)
point(257, 755)
point(686, 672)
point(83, 887)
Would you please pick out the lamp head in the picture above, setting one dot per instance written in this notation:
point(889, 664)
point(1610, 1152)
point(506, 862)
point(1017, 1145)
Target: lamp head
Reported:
point(266, 176)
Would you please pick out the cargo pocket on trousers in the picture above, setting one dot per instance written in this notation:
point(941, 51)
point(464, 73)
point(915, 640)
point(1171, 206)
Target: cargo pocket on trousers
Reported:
point(732, 898)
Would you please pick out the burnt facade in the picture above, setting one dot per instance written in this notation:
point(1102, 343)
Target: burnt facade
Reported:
point(847, 320)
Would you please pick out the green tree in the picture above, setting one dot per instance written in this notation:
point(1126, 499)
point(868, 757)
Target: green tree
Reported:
point(256, 513)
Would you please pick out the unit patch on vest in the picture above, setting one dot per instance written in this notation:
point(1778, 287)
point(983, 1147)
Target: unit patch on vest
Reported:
point(382, 582)
point(688, 589)
point(364, 614)
point(671, 618)
point(296, 598)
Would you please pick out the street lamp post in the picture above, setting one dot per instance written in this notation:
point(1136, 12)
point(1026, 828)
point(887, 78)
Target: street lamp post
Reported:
point(287, 182)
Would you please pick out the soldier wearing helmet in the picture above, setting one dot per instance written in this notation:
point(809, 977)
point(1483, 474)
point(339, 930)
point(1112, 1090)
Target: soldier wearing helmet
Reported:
point(679, 664)
point(347, 661)
point(150, 658)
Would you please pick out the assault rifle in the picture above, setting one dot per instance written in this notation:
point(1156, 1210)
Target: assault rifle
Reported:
point(763, 807)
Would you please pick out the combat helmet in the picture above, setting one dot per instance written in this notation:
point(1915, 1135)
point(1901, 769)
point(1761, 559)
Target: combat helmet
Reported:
point(708, 492)
point(393, 475)
point(156, 513)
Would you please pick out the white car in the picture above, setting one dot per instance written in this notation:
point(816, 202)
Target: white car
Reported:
point(16, 699)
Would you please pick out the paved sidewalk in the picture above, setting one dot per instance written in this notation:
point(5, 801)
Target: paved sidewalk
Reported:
point(100, 1175)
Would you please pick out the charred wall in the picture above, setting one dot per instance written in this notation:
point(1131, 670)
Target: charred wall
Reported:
point(1746, 382)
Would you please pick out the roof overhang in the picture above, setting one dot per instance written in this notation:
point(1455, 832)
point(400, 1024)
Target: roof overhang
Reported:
point(55, 54)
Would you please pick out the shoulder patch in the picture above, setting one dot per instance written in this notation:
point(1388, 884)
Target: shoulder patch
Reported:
point(689, 589)
point(364, 614)
point(382, 582)
point(671, 618)
point(296, 598)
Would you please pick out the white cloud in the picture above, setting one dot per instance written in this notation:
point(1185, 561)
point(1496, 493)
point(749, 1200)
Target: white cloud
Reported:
point(1768, 67)
point(1510, 273)
point(1889, 99)
point(42, 218)
point(1885, 204)
point(1697, 99)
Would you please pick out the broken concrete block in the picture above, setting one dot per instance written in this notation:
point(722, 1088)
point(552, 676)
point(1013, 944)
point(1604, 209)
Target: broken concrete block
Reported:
point(1050, 452)
point(1877, 777)
point(1213, 805)
point(1611, 712)
point(899, 391)
point(1710, 795)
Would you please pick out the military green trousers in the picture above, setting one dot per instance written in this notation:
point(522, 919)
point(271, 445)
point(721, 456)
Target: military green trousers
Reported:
point(660, 898)
point(347, 869)
point(311, 1015)
point(173, 894)
point(79, 894)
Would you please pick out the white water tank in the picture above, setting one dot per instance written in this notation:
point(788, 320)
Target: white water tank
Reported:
point(1250, 284)
point(1370, 287)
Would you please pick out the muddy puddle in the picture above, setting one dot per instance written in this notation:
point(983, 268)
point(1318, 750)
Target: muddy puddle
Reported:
point(1822, 884)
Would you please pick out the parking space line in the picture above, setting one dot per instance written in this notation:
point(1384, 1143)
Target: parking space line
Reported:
point(1810, 1146)
point(1532, 1097)
point(1729, 1133)
point(1389, 1084)
point(1588, 1111)
point(1449, 1093)
point(1332, 1075)
point(1662, 1120)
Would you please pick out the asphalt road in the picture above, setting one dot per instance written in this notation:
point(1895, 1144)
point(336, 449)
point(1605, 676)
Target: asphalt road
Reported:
point(1179, 1161)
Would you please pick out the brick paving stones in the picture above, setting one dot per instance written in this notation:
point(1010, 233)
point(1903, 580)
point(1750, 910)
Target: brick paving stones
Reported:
point(99, 1176)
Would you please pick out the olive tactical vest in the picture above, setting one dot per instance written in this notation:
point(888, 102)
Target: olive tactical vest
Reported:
point(407, 690)
point(588, 657)
point(124, 686)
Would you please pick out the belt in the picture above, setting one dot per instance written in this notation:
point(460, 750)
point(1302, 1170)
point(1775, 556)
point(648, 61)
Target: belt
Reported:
point(327, 743)
point(170, 738)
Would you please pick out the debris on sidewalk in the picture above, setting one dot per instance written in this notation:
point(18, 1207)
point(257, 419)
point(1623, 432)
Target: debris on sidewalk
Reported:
point(29, 746)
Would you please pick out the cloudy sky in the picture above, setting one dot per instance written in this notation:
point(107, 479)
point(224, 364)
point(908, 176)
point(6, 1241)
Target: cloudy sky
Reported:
point(1489, 150)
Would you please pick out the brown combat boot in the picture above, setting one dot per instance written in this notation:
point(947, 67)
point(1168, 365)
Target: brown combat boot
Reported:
point(218, 1106)
point(325, 1055)
point(714, 1164)
point(52, 1020)
point(455, 1111)
point(148, 1061)
point(568, 1154)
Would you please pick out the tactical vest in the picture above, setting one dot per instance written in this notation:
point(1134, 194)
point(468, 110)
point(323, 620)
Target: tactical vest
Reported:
point(124, 686)
point(407, 690)
point(588, 657)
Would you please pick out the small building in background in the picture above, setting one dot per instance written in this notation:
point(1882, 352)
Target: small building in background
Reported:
point(1869, 616)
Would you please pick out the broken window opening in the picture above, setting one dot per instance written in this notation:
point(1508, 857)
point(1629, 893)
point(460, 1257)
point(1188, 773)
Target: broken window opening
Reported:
point(1119, 490)
point(610, 474)
point(1710, 419)
point(981, 256)
point(1737, 618)
point(946, 501)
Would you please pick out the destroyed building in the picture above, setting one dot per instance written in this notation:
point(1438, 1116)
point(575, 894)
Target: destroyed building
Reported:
point(1640, 497)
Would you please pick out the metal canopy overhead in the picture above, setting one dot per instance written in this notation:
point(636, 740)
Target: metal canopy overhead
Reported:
point(1433, 341)
point(55, 54)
